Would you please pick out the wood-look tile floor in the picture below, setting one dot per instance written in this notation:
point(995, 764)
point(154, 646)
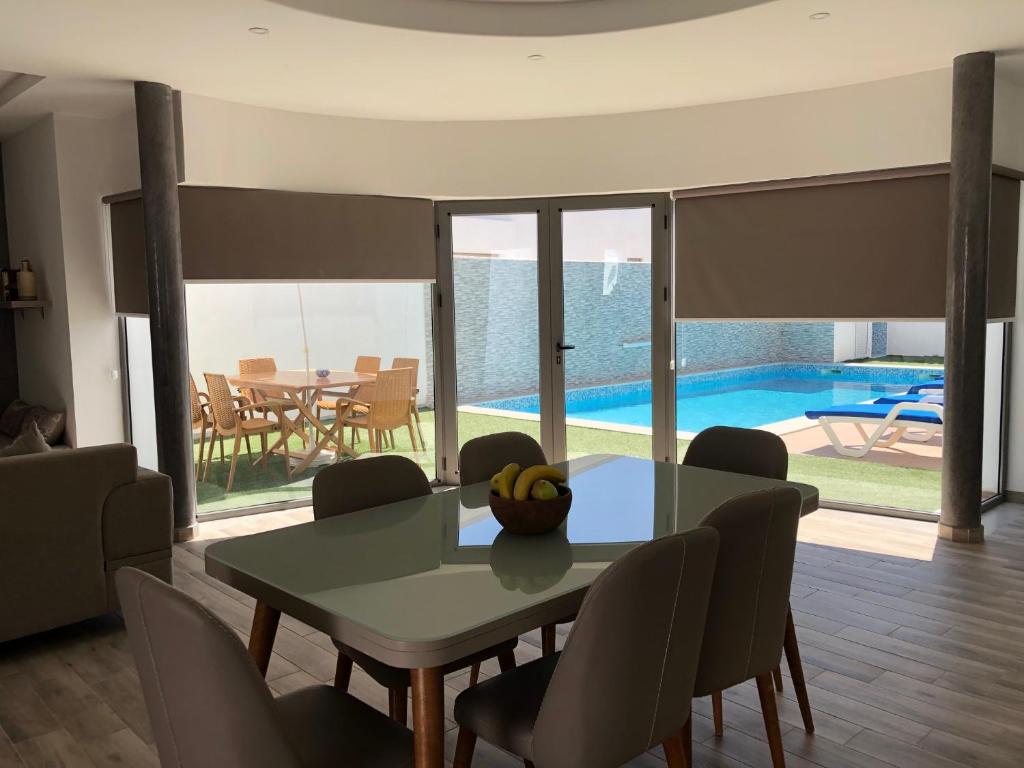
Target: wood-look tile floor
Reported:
point(914, 651)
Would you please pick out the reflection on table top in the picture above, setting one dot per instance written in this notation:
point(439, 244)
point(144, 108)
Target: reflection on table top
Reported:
point(301, 380)
point(428, 571)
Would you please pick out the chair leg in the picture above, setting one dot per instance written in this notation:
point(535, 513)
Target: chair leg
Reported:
point(507, 660)
point(412, 436)
point(234, 462)
point(547, 639)
point(777, 678)
point(716, 706)
point(202, 447)
point(771, 719)
point(796, 671)
point(209, 455)
point(263, 450)
point(248, 448)
point(464, 749)
point(419, 428)
point(222, 449)
point(391, 438)
point(474, 674)
point(675, 751)
point(343, 672)
point(398, 704)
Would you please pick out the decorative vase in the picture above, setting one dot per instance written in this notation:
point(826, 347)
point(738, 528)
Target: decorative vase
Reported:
point(26, 282)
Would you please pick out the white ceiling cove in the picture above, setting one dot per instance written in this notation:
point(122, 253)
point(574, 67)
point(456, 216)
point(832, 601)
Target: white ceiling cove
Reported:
point(590, 62)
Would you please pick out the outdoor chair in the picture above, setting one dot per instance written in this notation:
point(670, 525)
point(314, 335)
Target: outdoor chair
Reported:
point(749, 621)
point(201, 421)
point(228, 422)
point(270, 401)
point(209, 706)
point(761, 454)
point(341, 489)
point(623, 683)
point(364, 364)
point(414, 364)
point(385, 410)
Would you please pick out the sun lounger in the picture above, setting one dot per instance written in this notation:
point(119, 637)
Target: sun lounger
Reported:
point(932, 386)
point(920, 397)
point(924, 419)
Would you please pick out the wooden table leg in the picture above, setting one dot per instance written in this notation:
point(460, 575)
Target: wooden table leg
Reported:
point(261, 639)
point(428, 717)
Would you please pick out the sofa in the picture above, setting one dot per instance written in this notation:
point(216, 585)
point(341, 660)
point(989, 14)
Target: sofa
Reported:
point(68, 520)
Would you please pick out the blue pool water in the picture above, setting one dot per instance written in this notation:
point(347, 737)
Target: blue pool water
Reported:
point(740, 397)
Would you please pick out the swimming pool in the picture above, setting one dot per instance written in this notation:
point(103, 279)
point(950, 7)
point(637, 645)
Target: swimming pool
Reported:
point(738, 397)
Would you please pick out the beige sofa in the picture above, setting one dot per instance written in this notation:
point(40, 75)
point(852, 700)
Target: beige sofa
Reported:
point(68, 520)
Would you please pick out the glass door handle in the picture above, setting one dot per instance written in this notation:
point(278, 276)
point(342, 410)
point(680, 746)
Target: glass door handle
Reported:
point(562, 347)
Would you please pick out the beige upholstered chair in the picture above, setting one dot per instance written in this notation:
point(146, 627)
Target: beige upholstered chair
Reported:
point(481, 457)
point(414, 364)
point(351, 486)
point(385, 409)
point(623, 683)
point(200, 421)
point(209, 706)
point(747, 623)
point(228, 422)
point(762, 454)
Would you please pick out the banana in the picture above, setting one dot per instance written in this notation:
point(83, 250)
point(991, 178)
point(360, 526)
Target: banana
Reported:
point(506, 480)
point(531, 475)
point(494, 481)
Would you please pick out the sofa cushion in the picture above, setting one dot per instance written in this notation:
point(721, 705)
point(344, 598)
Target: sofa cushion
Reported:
point(50, 423)
point(14, 415)
point(29, 441)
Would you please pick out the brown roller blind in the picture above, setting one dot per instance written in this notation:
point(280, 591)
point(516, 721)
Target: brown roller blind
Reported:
point(128, 244)
point(871, 249)
point(252, 234)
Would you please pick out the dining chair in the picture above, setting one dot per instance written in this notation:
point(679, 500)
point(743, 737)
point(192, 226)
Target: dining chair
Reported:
point(385, 409)
point(350, 486)
point(363, 364)
point(762, 454)
point(414, 364)
point(269, 401)
point(747, 622)
point(209, 705)
point(200, 421)
point(623, 682)
point(228, 422)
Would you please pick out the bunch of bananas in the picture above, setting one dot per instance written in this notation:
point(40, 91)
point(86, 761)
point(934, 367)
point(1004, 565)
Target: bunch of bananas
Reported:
point(536, 482)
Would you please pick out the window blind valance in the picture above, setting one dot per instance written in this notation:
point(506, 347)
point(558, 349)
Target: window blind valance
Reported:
point(232, 234)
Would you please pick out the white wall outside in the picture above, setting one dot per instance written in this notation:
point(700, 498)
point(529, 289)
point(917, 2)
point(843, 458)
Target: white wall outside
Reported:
point(993, 407)
point(916, 338)
point(140, 390)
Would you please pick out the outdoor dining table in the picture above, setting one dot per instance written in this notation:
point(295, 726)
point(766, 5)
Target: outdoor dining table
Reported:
point(419, 583)
point(303, 389)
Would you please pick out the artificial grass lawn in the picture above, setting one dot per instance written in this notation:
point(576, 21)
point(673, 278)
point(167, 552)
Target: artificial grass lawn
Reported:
point(849, 480)
point(927, 361)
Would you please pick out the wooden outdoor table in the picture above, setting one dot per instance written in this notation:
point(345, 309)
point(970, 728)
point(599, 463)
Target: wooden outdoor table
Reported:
point(303, 389)
point(422, 582)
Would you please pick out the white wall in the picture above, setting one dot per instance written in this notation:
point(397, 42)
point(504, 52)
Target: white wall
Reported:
point(34, 232)
point(844, 341)
point(1015, 461)
point(897, 122)
point(916, 338)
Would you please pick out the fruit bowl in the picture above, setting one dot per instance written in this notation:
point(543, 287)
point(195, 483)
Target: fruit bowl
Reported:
point(531, 516)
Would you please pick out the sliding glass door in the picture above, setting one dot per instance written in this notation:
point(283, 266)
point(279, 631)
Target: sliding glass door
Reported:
point(548, 310)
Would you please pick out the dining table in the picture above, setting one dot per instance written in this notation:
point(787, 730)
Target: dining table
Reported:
point(302, 389)
point(422, 582)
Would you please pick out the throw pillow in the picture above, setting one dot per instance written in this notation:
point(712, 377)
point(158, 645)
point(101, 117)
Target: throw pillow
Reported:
point(29, 441)
point(14, 415)
point(50, 423)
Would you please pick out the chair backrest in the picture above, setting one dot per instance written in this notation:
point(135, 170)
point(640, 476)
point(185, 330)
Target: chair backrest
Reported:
point(750, 597)
point(207, 702)
point(221, 401)
point(198, 417)
point(409, 362)
point(255, 365)
point(389, 399)
point(625, 678)
point(744, 451)
point(367, 364)
point(353, 485)
point(481, 457)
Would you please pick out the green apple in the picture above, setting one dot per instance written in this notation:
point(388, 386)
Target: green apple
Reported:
point(543, 490)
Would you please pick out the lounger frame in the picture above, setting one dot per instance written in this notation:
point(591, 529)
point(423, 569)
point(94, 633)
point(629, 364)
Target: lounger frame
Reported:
point(902, 428)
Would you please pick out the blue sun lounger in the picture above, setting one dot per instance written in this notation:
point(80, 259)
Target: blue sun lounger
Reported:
point(937, 385)
point(920, 397)
point(925, 419)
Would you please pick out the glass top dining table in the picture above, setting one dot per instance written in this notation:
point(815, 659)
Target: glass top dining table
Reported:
point(419, 583)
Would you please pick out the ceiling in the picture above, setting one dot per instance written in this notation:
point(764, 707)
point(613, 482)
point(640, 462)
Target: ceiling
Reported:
point(320, 63)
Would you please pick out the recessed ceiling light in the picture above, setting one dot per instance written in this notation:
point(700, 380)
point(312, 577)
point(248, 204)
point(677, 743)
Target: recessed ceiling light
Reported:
point(536, 57)
point(259, 30)
point(819, 16)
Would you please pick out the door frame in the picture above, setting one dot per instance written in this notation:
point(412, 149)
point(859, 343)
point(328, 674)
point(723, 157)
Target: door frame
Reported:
point(551, 320)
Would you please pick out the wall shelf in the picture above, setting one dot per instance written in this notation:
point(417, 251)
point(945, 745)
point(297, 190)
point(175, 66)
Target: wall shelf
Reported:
point(21, 306)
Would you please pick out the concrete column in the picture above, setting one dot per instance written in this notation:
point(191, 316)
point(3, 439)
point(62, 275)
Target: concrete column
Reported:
point(970, 191)
point(154, 109)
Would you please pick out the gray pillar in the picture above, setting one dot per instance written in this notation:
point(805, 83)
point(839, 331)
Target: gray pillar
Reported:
point(154, 109)
point(970, 191)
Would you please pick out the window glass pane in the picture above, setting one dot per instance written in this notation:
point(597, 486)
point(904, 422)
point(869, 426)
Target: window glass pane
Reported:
point(819, 386)
point(140, 389)
point(991, 470)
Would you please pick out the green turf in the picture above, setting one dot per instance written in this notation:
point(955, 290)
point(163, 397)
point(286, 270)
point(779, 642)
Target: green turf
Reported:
point(841, 479)
point(927, 361)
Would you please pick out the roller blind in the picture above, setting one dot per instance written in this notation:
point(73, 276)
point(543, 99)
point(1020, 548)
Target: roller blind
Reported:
point(871, 249)
point(250, 234)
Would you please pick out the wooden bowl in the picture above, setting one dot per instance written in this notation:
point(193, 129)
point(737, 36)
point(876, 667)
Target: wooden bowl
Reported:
point(531, 516)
